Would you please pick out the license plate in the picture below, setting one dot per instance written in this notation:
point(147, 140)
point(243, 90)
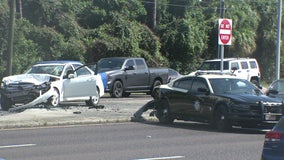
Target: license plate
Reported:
point(270, 117)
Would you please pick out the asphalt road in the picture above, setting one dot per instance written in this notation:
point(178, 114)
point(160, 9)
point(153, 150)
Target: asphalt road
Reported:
point(130, 141)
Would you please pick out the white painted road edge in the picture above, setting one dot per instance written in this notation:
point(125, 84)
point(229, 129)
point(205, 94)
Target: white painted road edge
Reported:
point(163, 158)
point(17, 145)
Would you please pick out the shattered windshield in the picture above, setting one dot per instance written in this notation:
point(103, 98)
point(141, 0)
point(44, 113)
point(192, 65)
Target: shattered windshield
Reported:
point(233, 86)
point(55, 70)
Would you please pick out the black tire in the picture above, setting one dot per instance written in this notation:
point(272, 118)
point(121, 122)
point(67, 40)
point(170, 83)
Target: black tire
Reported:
point(155, 84)
point(6, 103)
point(94, 100)
point(155, 93)
point(54, 99)
point(126, 94)
point(163, 113)
point(117, 90)
point(221, 120)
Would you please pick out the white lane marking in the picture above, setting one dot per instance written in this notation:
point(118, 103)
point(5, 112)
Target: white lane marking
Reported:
point(17, 145)
point(163, 158)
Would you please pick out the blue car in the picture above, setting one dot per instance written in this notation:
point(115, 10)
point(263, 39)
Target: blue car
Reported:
point(273, 147)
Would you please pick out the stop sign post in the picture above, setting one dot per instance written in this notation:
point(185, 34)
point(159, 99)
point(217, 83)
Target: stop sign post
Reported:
point(225, 32)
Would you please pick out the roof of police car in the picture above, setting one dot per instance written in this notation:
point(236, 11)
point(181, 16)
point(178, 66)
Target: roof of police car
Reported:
point(213, 75)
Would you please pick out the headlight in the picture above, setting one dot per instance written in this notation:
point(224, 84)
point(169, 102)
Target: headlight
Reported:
point(43, 86)
point(3, 85)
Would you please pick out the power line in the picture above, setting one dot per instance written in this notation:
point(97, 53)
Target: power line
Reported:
point(206, 3)
point(274, 4)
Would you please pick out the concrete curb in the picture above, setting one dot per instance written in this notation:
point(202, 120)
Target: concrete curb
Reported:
point(114, 111)
point(59, 117)
point(60, 123)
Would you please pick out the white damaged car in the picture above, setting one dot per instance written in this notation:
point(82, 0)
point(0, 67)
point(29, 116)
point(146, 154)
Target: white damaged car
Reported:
point(52, 83)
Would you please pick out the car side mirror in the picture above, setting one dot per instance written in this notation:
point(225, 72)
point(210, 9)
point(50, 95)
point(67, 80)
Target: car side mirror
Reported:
point(234, 69)
point(70, 74)
point(129, 68)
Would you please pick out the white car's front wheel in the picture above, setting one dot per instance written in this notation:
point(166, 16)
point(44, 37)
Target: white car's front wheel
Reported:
point(54, 99)
point(94, 100)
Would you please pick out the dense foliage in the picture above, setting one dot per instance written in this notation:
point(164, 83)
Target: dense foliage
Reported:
point(185, 31)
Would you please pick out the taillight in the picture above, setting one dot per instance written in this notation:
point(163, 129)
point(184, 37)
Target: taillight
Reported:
point(272, 136)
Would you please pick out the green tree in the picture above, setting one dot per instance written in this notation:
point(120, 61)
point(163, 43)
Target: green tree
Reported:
point(125, 39)
point(266, 38)
point(25, 50)
point(4, 26)
point(113, 29)
point(184, 39)
point(245, 23)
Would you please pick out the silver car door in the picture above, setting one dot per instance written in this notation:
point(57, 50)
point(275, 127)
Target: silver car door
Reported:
point(82, 84)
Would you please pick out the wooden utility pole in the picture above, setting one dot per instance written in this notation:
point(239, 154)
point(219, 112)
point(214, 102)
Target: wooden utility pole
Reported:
point(154, 18)
point(19, 8)
point(11, 36)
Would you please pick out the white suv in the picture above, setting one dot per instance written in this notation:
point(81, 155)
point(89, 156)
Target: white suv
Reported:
point(244, 68)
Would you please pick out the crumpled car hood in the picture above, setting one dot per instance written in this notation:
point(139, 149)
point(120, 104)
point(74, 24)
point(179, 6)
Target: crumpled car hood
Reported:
point(36, 79)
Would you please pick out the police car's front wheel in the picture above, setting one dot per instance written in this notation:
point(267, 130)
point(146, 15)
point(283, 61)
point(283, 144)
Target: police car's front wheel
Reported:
point(221, 120)
point(163, 112)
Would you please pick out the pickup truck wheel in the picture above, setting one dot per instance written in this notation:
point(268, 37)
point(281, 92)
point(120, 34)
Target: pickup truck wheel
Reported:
point(94, 100)
point(117, 90)
point(126, 94)
point(163, 113)
point(6, 103)
point(221, 120)
point(54, 99)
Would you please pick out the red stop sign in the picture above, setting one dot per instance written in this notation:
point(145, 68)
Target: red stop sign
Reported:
point(225, 31)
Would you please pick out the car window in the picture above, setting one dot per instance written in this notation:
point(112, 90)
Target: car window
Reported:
point(253, 64)
point(129, 62)
point(244, 65)
point(233, 86)
point(235, 65)
point(198, 83)
point(68, 69)
point(184, 83)
point(140, 64)
point(109, 64)
point(82, 71)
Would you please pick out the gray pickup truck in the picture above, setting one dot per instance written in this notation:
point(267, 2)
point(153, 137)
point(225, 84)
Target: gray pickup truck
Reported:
point(122, 76)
